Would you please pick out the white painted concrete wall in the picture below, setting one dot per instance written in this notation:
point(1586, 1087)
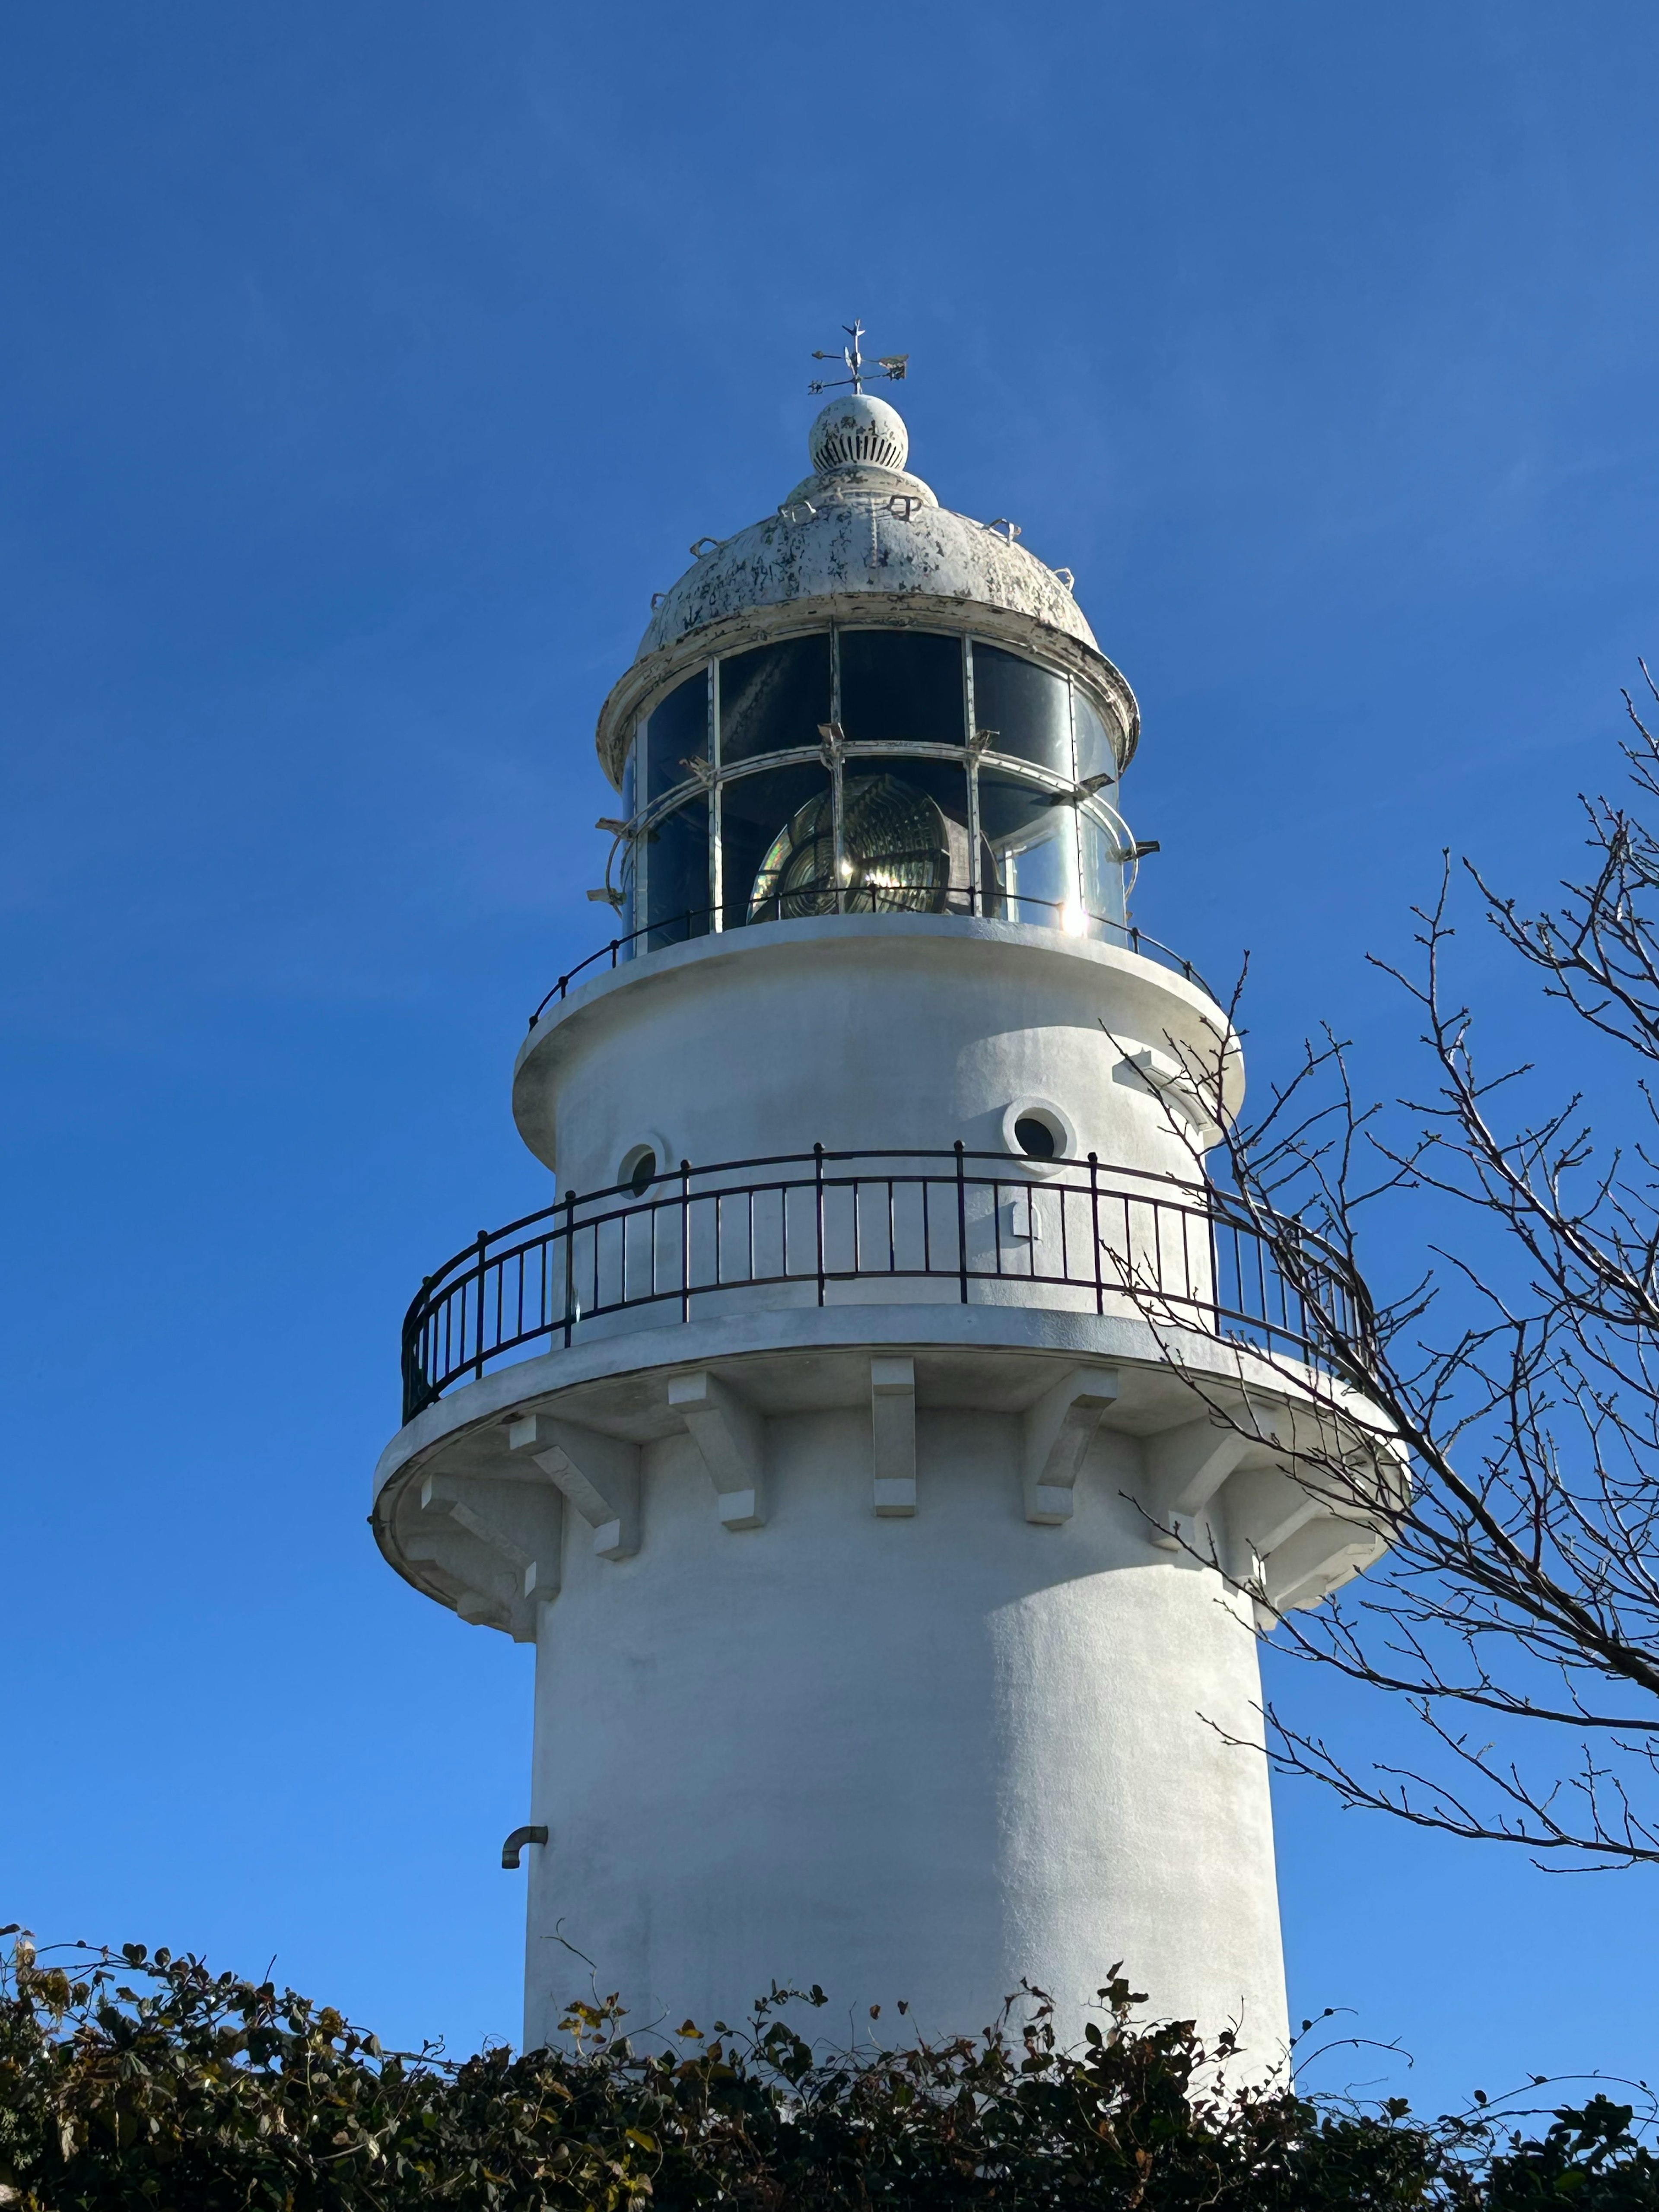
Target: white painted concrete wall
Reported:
point(917, 1759)
point(859, 1032)
point(910, 1759)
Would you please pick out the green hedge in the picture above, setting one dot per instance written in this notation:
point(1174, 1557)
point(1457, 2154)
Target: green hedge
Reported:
point(145, 2081)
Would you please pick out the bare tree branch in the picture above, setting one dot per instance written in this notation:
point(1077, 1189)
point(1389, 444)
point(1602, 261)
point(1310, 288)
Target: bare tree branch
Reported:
point(1519, 1375)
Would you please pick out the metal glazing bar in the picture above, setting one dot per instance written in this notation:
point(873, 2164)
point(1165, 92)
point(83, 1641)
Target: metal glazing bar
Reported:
point(836, 800)
point(971, 732)
point(716, 862)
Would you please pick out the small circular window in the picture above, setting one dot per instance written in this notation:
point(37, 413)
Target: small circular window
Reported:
point(1034, 1137)
point(1036, 1131)
point(639, 1170)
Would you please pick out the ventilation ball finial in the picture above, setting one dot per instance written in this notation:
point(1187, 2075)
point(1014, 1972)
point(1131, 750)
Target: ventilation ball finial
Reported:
point(858, 432)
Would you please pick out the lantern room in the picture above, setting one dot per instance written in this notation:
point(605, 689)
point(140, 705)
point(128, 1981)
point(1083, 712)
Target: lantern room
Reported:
point(866, 704)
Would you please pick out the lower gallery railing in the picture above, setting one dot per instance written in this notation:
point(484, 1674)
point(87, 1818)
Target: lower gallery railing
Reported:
point(832, 1228)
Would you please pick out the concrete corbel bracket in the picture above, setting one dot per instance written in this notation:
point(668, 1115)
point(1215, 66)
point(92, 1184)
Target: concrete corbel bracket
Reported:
point(730, 1435)
point(1179, 1087)
point(600, 1475)
point(482, 1587)
point(893, 1431)
point(1187, 1465)
point(1058, 1433)
point(1322, 1555)
point(497, 1544)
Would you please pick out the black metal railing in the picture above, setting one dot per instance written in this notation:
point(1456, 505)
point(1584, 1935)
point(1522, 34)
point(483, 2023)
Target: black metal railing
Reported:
point(660, 934)
point(825, 1228)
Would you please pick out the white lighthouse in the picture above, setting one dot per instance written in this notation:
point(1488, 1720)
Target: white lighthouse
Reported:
point(878, 1435)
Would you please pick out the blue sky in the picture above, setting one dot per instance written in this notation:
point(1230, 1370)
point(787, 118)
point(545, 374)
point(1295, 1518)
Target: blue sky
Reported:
point(364, 370)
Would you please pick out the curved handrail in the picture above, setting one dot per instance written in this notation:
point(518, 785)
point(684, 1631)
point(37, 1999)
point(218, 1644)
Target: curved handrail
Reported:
point(804, 1225)
point(1133, 938)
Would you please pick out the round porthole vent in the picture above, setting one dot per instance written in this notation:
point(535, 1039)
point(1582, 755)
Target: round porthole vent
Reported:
point(639, 1168)
point(1037, 1132)
point(1036, 1138)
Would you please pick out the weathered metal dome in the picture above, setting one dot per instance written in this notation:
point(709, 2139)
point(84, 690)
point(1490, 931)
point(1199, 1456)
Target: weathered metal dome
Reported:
point(859, 538)
point(863, 524)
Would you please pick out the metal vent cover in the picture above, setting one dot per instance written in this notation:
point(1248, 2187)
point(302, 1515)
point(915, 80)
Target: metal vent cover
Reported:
point(841, 449)
point(859, 429)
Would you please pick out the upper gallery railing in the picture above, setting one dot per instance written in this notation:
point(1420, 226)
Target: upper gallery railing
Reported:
point(1098, 930)
point(820, 1227)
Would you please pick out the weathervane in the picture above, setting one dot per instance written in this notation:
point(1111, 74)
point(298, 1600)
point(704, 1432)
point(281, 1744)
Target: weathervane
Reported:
point(889, 368)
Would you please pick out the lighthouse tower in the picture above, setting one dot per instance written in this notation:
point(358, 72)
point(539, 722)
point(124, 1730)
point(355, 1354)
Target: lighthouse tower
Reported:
point(883, 1437)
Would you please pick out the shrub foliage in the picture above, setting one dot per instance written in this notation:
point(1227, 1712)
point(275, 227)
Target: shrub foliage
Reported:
point(144, 2080)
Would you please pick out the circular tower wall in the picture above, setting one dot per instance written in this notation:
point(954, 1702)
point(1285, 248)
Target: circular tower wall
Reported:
point(888, 1441)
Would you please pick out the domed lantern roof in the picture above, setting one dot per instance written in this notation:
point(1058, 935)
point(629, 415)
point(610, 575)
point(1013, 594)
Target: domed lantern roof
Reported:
point(863, 541)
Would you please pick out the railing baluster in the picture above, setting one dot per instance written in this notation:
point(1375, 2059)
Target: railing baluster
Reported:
point(685, 1240)
point(961, 1221)
point(817, 1203)
point(479, 1363)
point(1094, 1231)
point(569, 1264)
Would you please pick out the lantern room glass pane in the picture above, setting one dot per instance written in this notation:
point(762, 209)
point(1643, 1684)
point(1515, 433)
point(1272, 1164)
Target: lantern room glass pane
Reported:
point(775, 698)
point(904, 835)
point(1028, 707)
point(756, 811)
point(623, 870)
point(625, 874)
point(1104, 895)
point(1095, 754)
point(677, 873)
point(1031, 871)
point(901, 687)
point(677, 732)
